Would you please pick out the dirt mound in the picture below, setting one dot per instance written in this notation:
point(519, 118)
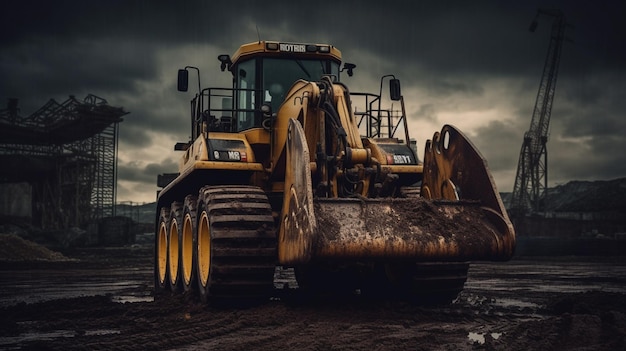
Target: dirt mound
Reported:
point(15, 249)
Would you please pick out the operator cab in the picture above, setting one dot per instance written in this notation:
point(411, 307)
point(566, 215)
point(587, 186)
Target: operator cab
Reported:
point(264, 72)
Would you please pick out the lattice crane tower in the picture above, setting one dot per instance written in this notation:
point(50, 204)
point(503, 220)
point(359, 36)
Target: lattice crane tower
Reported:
point(531, 180)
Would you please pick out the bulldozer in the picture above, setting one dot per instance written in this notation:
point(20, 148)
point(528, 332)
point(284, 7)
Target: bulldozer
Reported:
point(288, 168)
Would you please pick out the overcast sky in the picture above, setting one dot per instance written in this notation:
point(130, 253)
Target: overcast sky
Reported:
point(473, 64)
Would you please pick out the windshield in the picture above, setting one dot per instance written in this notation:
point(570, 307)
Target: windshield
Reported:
point(280, 74)
point(267, 80)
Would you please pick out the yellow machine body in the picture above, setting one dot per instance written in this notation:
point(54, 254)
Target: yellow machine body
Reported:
point(286, 170)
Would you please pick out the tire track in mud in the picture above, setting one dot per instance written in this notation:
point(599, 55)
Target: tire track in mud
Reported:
point(179, 324)
point(174, 323)
point(519, 305)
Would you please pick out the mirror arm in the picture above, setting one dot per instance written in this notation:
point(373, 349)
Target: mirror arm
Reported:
point(198, 70)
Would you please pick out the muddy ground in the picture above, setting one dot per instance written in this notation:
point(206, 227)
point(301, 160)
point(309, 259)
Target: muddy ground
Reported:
point(101, 299)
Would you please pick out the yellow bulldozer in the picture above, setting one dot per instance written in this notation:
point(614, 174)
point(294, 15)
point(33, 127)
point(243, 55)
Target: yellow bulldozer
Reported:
point(289, 168)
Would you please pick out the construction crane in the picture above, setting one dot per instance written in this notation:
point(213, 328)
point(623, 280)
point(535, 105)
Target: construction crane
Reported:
point(531, 180)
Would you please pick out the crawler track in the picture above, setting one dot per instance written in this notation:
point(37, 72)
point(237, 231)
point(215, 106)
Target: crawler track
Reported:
point(240, 256)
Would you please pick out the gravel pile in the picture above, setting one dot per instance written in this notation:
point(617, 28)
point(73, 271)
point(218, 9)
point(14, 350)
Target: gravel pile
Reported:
point(15, 249)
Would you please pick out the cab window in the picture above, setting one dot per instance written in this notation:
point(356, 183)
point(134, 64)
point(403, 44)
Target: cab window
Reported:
point(245, 96)
point(280, 74)
point(276, 76)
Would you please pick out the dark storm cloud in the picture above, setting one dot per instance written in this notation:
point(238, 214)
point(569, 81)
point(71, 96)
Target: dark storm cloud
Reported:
point(147, 174)
point(447, 88)
point(164, 22)
point(449, 35)
point(491, 137)
point(449, 53)
point(427, 111)
point(135, 135)
point(596, 108)
point(423, 41)
point(50, 68)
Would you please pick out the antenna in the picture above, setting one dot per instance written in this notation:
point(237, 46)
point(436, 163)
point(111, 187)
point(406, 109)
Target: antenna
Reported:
point(258, 34)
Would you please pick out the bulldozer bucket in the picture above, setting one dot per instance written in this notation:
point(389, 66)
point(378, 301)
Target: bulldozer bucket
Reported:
point(455, 170)
point(389, 229)
point(406, 229)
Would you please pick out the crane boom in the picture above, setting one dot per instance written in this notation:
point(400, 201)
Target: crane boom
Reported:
point(531, 181)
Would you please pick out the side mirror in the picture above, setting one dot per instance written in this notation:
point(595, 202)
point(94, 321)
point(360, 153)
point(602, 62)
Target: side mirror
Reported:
point(226, 62)
point(394, 89)
point(183, 80)
point(349, 67)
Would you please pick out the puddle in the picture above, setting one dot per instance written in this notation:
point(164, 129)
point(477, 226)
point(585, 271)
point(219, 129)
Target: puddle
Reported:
point(477, 300)
point(549, 277)
point(15, 342)
point(480, 337)
point(508, 303)
point(41, 286)
point(131, 298)
point(101, 332)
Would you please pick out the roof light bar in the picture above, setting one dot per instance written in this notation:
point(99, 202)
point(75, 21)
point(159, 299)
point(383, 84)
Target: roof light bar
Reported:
point(289, 47)
point(323, 49)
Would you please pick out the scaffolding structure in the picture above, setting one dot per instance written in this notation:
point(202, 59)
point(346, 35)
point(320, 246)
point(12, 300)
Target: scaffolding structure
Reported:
point(67, 154)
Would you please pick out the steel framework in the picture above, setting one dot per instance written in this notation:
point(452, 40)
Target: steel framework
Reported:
point(67, 153)
point(531, 180)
